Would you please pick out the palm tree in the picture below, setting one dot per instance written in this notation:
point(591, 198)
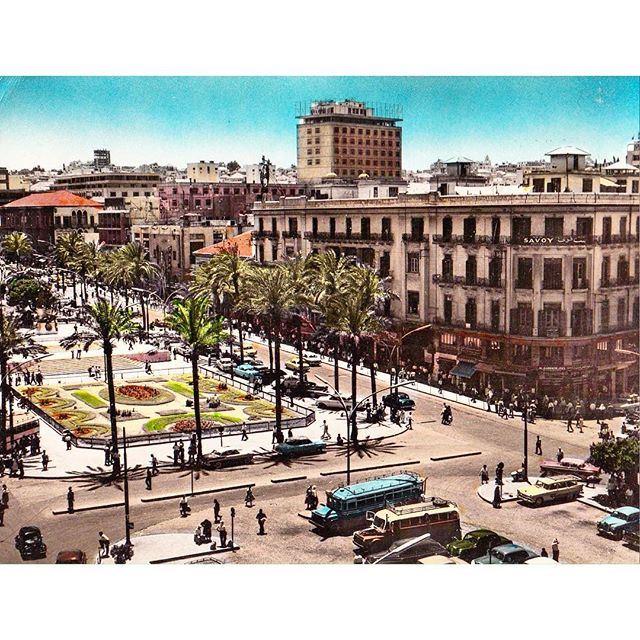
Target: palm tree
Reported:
point(354, 315)
point(12, 343)
point(85, 263)
point(270, 293)
point(105, 323)
point(68, 247)
point(197, 330)
point(16, 245)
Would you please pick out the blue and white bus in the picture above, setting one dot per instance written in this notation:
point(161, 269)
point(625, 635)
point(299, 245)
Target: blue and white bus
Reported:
point(347, 506)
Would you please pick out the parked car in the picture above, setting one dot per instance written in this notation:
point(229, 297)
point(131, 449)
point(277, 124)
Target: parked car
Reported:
point(541, 560)
point(623, 520)
point(294, 365)
point(30, 544)
point(222, 458)
point(249, 351)
point(441, 560)
point(307, 388)
point(246, 371)
point(333, 403)
point(313, 359)
point(225, 364)
point(75, 556)
point(257, 364)
point(575, 466)
point(547, 490)
point(409, 552)
point(475, 544)
point(299, 446)
point(399, 401)
point(632, 538)
point(269, 377)
point(506, 554)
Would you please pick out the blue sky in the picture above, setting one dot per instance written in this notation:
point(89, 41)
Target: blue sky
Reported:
point(175, 120)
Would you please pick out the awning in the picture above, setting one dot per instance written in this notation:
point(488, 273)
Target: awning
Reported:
point(604, 182)
point(464, 369)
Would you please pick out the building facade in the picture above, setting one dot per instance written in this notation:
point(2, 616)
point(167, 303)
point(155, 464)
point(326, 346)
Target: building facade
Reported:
point(537, 291)
point(101, 158)
point(348, 139)
point(206, 172)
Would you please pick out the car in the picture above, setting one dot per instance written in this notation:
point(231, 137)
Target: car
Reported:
point(441, 560)
point(333, 402)
point(409, 552)
point(551, 490)
point(299, 446)
point(632, 538)
point(475, 544)
point(269, 377)
point(247, 372)
point(257, 364)
point(506, 554)
point(575, 466)
point(30, 544)
point(541, 560)
point(75, 556)
point(222, 458)
point(225, 364)
point(399, 401)
point(294, 365)
point(312, 359)
point(623, 520)
point(249, 351)
point(307, 388)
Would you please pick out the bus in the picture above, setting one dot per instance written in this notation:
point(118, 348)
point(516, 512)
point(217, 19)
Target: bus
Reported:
point(347, 506)
point(438, 517)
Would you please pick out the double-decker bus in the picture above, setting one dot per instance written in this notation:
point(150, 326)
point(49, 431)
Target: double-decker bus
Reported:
point(347, 506)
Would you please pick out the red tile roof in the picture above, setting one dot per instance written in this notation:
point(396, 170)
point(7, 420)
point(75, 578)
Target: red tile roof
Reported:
point(53, 199)
point(241, 241)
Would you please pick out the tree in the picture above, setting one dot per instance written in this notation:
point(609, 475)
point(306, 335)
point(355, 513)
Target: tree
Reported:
point(232, 166)
point(28, 292)
point(106, 324)
point(197, 331)
point(17, 245)
point(68, 246)
point(13, 342)
point(614, 456)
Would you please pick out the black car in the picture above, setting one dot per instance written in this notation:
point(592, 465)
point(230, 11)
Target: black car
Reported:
point(410, 554)
point(292, 386)
point(30, 544)
point(399, 401)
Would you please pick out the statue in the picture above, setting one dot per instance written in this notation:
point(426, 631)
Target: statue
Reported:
point(265, 169)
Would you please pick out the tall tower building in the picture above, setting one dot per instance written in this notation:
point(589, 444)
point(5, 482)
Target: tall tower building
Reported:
point(349, 138)
point(101, 158)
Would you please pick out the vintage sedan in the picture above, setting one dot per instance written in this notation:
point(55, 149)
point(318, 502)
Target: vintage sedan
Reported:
point(300, 446)
point(407, 552)
point(247, 371)
point(312, 359)
point(623, 520)
point(399, 401)
point(294, 365)
point(225, 364)
point(475, 544)
point(30, 544)
point(292, 386)
point(226, 458)
point(551, 490)
point(506, 554)
point(574, 466)
point(74, 556)
point(332, 402)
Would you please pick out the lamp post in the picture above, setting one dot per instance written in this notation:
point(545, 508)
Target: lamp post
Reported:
point(351, 416)
point(128, 525)
point(233, 517)
point(396, 350)
point(524, 400)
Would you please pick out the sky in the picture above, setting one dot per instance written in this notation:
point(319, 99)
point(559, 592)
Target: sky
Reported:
point(174, 120)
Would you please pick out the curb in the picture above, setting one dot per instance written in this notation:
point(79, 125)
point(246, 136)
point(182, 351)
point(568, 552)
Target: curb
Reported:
point(304, 517)
point(456, 455)
point(292, 479)
point(380, 466)
point(595, 505)
point(194, 555)
point(199, 493)
point(66, 512)
point(505, 499)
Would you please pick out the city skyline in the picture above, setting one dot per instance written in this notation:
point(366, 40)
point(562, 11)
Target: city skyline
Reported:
point(52, 121)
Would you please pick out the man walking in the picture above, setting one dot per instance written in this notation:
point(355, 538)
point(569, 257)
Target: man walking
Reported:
point(107, 455)
point(176, 454)
point(484, 475)
point(154, 466)
point(569, 427)
point(560, 454)
point(147, 479)
point(244, 436)
point(538, 446)
point(555, 550)
point(325, 431)
point(261, 518)
point(4, 497)
point(45, 460)
point(103, 541)
point(216, 511)
point(71, 498)
point(2, 508)
point(222, 530)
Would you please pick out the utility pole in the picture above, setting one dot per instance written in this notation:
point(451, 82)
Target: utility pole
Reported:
point(127, 524)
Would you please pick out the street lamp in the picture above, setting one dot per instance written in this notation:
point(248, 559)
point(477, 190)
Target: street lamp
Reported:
point(351, 415)
point(524, 401)
point(127, 523)
point(396, 350)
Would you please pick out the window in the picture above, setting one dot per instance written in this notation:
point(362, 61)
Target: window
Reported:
point(495, 315)
point(469, 229)
point(634, 186)
point(495, 271)
point(604, 315)
point(606, 230)
point(332, 227)
point(605, 271)
point(553, 227)
point(623, 270)
point(552, 275)
point(495, 230)
point(365, 228)
point(314, 226)
point(520, 228)
point(623, 228)
point(550, 320)
point(448, 314)
point(386, 228)
point(587, 185)
point(622, 313)
point(293, 226)
point(538, 185)
point(470, 312)
point(348, 227)
point(471, 270)
point(525, 273)
point(447, 229)
point(447, 268)
point(413, 263)
point(579, 273)
point(417, 228)
point(580, 320)
point(413, 303)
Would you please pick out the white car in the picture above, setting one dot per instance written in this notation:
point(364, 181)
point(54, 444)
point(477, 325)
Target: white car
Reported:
point(333, 402)
point(249, 351)
point(225, 364)
point(312, 359)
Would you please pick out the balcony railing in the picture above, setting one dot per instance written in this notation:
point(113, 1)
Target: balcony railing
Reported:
point(612, 283)
point(488, 283)
point(617, 239)
point(447, 279)
point(413, 237)
point(579, 285)
point(343, 238)
point(290, 234)
point(274, 235)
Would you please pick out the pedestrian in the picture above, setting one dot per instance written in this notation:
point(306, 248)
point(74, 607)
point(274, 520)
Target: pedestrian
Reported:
point(78, 354)
point(2, 509)
point(555, 550)
point(67, 440)
point(560, 454)
point(484, 475)
point(339, 440)
point(580, 424)
point(181, 453)
point(154, 465)
point(184, 507)
point(70, 500)
point(274, 436)
point(45, 460)
point(569, 427)
point(103, 542)
point(216, 511)
point(410, 422)
point(325, 431)
point(244, 436)
point(147, 480)
point(249, 498)
point(261, 518)
point(538, 446)
point(107, 454)
point(222, 531)
point(20, 469)
point(176, 453)
point(496, 497)
point(4, 497)
point(499, 473)
point(543, 553)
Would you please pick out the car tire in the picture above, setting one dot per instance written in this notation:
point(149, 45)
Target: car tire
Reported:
point(538, 502)
point(321, 405)
point(617, 536)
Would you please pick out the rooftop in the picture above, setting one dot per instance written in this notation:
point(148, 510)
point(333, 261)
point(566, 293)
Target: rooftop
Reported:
point(567, 151)
point(241, 241)
point(53, 199)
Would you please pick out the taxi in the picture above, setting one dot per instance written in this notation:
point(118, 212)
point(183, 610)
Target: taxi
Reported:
point(547, 490)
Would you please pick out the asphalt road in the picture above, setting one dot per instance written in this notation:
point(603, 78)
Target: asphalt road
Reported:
point(289, 537)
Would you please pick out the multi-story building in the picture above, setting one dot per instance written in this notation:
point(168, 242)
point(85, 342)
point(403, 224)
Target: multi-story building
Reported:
point(44, 216)
point(537, 290)
point(114, 223)
point(633, 152)
point(101, 159)
point(205, 172)
point(348, 139)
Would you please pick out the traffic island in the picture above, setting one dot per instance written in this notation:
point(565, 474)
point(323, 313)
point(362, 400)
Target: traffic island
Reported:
point(379, 466)
point(455, 455)
point(509, 491)
point(202, 492)
point(67, 512)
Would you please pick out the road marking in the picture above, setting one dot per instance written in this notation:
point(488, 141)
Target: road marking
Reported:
point(456, 455)
point(292, 479)
point(199, 493)
point(66, 512)
point(380, 466)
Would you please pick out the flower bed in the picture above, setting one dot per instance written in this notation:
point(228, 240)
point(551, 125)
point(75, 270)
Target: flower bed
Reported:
point(264, 409)
point(185, 422)
point(90, 430)
point(71, 418)
point(140, 394)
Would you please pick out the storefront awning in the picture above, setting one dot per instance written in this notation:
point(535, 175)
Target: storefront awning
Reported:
point(605, 182)
point(464, 369)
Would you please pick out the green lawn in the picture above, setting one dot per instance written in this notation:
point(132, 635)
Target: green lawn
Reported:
point(89, 398)
point(159, 424)
point(180, 387)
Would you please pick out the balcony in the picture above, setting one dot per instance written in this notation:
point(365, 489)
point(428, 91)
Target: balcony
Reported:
point(487, 283)
point(447, 279)
point(580, 285)
point(612, 283)
point(353, 238)
point(552, 241)
point(617, 239)
point(470, 239)
point(290, 234)
point(413, 237)
point(273, 235)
